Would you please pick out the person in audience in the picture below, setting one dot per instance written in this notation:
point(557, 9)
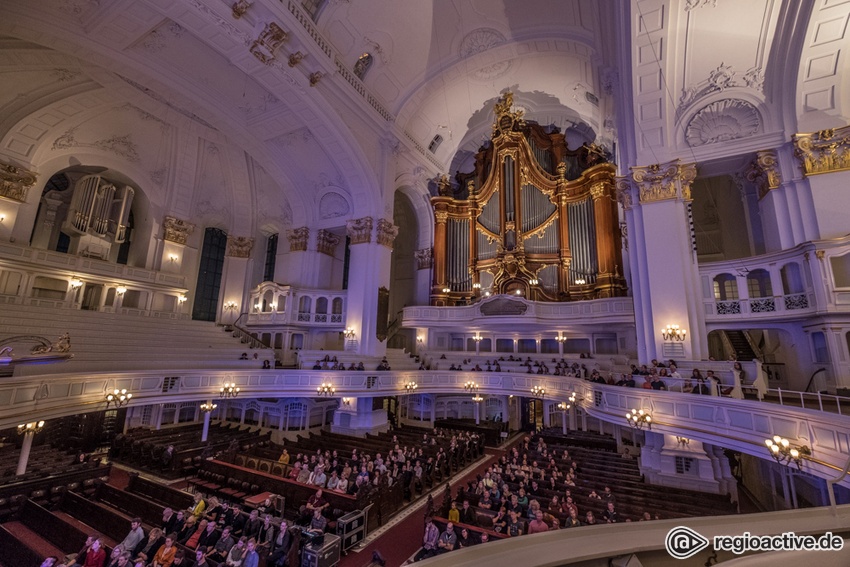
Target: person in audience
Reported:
point(537, 525)
point(572, 520)
point(200, 559)
point(148, 547)
point(50, 561)
point(318, 477)
point(214, 510)
point(514, 525)
point(465, 539)
point(198, 506)
point(244, 356)
point(468, 515)
point(267, 365)
point(304, 474)
point(265, 538)
point(319, 523)
point(117, 551)
point(280, 545)
point(701, 388)
point(165, 556)
point(166, 458)
point(646, 517)
point(454, 513)
point(343, 484)
point(80, 559)
point(169, 518)
point(251, 558)
point(657, 383)
point(296, 470)
point(192, 541)
point(237, 553)
point(590, 519)
point(610, 515)
point(219, 551)
point(252, 526)
point(429, 541)
point(447, 540)
point(266, 508)
point(190, 526)
point(208, 537)
point(96, 555)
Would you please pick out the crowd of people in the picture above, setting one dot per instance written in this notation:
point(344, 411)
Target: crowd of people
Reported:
point(529, 469)
point(331, 363)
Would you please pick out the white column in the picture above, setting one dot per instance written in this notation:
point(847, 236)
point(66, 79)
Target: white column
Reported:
point(206, 429)
point(560, 349)
point(158, 419)
point(128, 417)
point(477, 347)
point(25, 453)
point(564, 421)
point(477, 412)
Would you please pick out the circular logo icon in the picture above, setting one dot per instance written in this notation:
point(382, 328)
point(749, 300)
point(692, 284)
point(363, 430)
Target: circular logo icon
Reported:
point(683, 542)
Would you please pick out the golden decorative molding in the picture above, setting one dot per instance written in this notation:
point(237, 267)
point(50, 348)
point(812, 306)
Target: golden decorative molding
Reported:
point(664, 181)
point(624, 192)
point(820, 254)
point(424, 258)
point(764, 172)
point(15, 182)
point(239, 246)
point(240, 8)
point(823, 152)
point(270, 39)
point(598, 190)
point(359, 230)
point(176, 230)
point(298, 238)
point(295, 58)
point(326, 242)
point(441, 216)
point(315, 78)
point(538, 232)
point(385, 233)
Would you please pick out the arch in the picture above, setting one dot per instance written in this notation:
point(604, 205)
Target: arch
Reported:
point(305, 304)
point(363, 64)
point(725, 287)
point(758, 284)
point(336, 306)
point(322, 305)
point(792, 278)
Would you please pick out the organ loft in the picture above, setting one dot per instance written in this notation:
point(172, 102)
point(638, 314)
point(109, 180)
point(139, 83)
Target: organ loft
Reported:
point(534, 219)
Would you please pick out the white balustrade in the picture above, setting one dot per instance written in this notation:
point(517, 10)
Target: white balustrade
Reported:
point(275, 304)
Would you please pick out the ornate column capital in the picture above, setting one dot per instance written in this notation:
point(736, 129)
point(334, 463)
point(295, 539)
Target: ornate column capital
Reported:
point(764, 172)
point(823, 152)
point(359, 230)
point(424, 258)
point(298, 238)
point(176, 230)
point(385, 233)
point(624, 192)
point(15, 182)
point(326, 242)
point(239, 246)
point(441, 216)
point(663, 181)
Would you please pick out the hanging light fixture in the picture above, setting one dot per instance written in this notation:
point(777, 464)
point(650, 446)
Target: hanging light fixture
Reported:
point(229, 390)
point(118, 397)
point(33, 427)
point(784, 453)
point(639, 418)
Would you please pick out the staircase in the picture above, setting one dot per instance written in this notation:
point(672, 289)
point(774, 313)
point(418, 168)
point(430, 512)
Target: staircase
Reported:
point(112, 342)
point(741, 345)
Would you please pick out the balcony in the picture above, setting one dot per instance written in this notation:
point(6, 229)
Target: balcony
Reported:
point(274, 304)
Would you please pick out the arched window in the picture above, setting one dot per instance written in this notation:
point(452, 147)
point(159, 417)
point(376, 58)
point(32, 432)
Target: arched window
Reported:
point(435, 143)
point(322, 305)
point(305, 304)
point(362, 65)
point(336, 306)
point(792, 279)
point(271, 256)
point(209, 275)
point(758, 284)
point(725, 287)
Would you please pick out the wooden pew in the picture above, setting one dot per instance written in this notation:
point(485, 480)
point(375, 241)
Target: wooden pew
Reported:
point(165, 495)
point(66, 537)
point(133, 504)
point(102, 518)
point(17, 553)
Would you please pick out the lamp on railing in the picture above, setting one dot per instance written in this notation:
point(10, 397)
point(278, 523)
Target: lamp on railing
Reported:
point(477, 398)
point(538, 392)
point(33, 427)
point(229, 390)
point(181, 298)
point(673, 333)
point(230, 306)
point(784, 453)
point(477, 338)
point(349, 333)
point(682, 440)
point(411, 387)
point(326, 389)
point(207, 408)
point(120, 290)
point(639, 418)
point(118, 397)
point(564, 406)
point(561, 338)
point(75, 283)
point(575, 398)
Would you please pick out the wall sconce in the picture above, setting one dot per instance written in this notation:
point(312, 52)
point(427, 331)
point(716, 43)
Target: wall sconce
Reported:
point(230, 306)
point(783, 453)
point(172, 257)
point(581, 281)
point(273, 305)
point(574, 398)
point(346, 402)
point(639, 418)
point(120, 290)
point(181, 298)
point(257, 306)
point(682, 440)
point(207, 408)
point(2, 218)
point(411, 386)
point(326, 389)
point(118, 397)
point(34, 427)
point(538, 392)
point(229, 390)
point(349, 333)
point(420, 339)
point(75, 283)
point(673, 333)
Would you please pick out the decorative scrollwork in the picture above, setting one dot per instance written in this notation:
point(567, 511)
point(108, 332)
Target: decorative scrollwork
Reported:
point(765, 305)
point(728, 307)
point(796, 301)
point(823, 152)
point(15, 182)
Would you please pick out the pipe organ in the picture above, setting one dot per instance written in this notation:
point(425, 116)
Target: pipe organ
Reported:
point(534, 219)
point(98, 216)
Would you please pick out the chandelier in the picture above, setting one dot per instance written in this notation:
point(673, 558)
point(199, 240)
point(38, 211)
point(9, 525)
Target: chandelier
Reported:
point(326, 389)
point(118, 397)
point(229, 390)
point(34, 427)
point(639, 418)
point(538, 391)
point(784, 453)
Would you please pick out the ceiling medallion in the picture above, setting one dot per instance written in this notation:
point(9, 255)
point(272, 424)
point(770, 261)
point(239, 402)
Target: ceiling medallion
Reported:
point(721, 121)
point(478, 41)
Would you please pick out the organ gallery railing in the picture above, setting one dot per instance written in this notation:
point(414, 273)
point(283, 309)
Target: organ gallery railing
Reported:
point(534, 219)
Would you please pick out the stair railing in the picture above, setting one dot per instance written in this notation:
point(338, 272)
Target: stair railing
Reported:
point(242, 333)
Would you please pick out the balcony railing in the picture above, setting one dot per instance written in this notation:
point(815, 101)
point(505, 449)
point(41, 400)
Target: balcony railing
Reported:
point(276, 304)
